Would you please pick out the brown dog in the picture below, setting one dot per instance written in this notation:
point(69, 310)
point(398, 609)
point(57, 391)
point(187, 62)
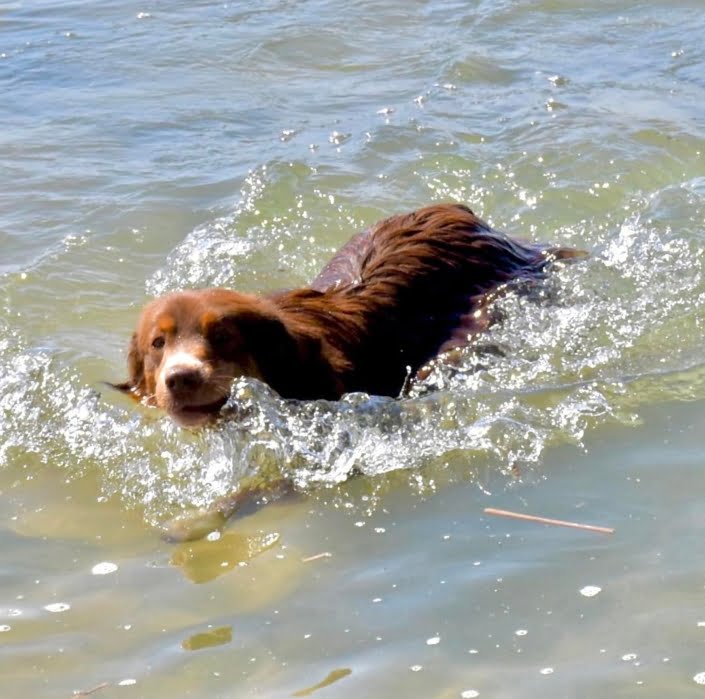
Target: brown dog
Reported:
point(392, 299)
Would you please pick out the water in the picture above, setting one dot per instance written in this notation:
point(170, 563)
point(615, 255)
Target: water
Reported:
point(147, 147)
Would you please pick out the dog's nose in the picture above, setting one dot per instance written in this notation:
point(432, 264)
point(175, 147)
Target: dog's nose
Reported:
point(183, 379)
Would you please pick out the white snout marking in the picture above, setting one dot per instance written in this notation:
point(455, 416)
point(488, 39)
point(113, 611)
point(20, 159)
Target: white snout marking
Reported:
point(182, 360)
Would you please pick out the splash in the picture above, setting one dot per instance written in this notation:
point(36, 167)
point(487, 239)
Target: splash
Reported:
point(221, 252)
point(588, 347)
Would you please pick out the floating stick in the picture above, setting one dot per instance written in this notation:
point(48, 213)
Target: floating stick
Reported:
point(317, 557)
point(86, 692)
point(546, 520)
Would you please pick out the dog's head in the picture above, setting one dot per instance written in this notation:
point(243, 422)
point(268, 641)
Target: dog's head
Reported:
point(190, 345)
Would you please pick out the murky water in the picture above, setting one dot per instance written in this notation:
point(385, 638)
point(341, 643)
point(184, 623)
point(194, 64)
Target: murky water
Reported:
point(151, 147)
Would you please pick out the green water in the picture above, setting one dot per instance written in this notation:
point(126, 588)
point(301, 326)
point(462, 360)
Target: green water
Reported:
point(149, 147)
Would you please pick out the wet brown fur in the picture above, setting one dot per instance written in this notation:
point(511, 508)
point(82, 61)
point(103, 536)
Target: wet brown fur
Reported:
point(392, 299)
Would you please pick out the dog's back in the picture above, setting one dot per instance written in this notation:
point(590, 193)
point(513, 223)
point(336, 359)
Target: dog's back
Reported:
point(418, 284)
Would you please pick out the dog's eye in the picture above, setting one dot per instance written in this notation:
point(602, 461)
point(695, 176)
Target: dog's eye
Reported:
point(158, 342)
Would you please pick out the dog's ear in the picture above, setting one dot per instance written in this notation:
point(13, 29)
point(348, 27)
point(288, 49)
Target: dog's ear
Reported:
point(289, 360)
point(274, 350)
point(135, 384)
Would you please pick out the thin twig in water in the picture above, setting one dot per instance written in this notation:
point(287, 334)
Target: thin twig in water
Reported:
point(317, 557)
point(86, 692)
point(547, 520)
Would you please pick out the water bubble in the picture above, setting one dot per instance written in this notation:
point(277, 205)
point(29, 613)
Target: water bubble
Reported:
point(57, 607)
point(104, 568)
point(590, 590)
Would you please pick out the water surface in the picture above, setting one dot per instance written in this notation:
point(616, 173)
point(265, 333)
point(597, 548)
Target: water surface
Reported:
point(148, 147)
